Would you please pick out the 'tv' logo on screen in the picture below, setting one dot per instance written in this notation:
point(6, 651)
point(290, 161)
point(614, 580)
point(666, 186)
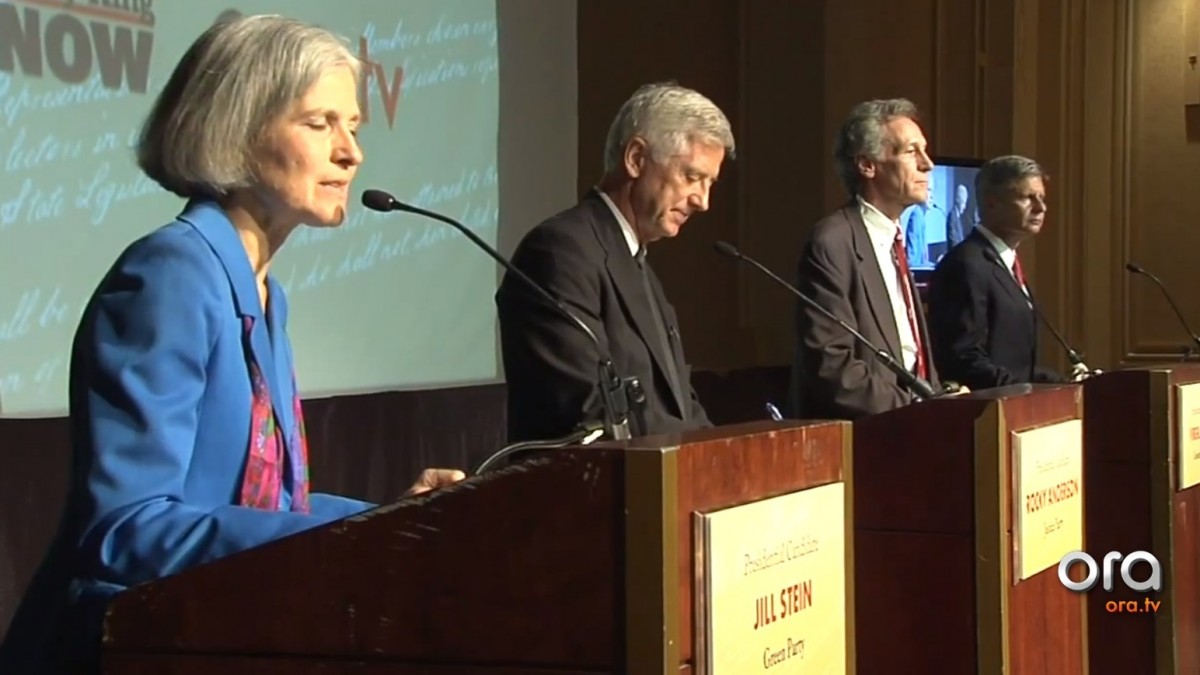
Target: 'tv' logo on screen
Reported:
point(73, 38)
point(389, 90)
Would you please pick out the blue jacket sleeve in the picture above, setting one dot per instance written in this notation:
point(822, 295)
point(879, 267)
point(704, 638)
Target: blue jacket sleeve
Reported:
point(144, 343)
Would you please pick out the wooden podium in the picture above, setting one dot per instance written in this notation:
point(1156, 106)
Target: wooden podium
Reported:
point(1138, 425)
point(576, 561)
point(964, 507)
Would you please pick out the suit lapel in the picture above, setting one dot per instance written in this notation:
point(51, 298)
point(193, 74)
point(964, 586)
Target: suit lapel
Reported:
point(283, 386)
point(1009, 283)
point(878, 300)
point(211, 222)
point(627, 280)
point(672, 339)
point(1005, 276)
point(1019, 299)
point(1006, 281)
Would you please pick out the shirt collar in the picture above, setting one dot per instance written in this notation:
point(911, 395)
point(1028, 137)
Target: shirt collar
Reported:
point(1007, 253)
point(878, 225)
point(626, 228)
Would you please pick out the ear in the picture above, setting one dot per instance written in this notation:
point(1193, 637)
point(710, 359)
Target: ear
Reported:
point(636, 156)
point(866, 167)
point(987, 204)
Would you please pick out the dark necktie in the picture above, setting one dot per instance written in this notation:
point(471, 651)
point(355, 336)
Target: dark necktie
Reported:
point(660, 326)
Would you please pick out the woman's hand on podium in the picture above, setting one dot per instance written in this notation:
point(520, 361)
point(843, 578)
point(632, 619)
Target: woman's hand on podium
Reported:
point(432, 479)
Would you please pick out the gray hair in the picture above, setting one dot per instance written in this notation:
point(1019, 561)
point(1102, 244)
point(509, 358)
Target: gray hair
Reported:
point(1001, 173)
point(669, 117)
point(237, 77)
point(863, 134)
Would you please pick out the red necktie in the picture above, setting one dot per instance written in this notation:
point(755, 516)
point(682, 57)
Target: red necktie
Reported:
point(902, 273)
point(1018, 273)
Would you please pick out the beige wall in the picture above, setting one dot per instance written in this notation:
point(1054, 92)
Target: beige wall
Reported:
point(1094, 89)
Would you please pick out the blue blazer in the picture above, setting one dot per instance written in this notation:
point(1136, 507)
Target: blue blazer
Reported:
point(160, 398)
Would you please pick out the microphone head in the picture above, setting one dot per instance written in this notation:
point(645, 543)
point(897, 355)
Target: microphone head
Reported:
point(1135, 268)
point(378, 200)
point(726, 248)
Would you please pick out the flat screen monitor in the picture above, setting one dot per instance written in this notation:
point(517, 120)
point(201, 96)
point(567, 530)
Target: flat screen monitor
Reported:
point(933, 228)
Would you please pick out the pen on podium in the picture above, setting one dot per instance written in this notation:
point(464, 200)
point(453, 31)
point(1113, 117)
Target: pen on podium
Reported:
point(774, 412)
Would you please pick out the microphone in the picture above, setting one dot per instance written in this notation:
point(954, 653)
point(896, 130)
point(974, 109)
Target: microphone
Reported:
point(582, 436)
point(1079, 369)
point(916, 385)
point(1138, 269)
point(612, 392)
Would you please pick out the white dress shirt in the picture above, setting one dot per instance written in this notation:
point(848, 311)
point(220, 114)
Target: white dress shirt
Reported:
point(882, 232)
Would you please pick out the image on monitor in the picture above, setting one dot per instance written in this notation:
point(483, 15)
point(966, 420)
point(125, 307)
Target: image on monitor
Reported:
point(933, 228)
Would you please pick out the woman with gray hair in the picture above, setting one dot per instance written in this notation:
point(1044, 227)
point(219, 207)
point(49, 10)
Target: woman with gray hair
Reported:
point(187, 431)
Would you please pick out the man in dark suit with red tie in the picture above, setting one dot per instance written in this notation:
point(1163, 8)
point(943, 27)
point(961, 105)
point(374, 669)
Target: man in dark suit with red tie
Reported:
point(663, 154)
point(981, 312)
point(854, 264)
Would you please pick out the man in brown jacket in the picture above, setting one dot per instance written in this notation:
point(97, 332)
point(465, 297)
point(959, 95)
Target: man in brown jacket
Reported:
point(854, 265)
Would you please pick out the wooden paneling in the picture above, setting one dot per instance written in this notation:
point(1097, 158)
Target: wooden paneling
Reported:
point(997, 77)
point(711, 478)
point(1055, 261)
point(1047, 628)
point(786, 74)
point(539, 566)
point(419, 581)
point(249, 665)
point(1131, 435)
point(958, 58)
point(785, 163)
point(875, 49)
point(1163, 211)
point(1102, 172)
point(1128, 171)
point(1052, 79)
point(944, 600)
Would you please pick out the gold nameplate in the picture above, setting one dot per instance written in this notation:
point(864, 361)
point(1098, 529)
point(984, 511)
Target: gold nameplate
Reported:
point(1047, 496)
point(1187, 422)
point(771, 585)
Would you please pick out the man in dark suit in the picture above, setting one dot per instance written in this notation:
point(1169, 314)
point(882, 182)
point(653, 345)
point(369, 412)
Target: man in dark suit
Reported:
point(854, 264)
point(663, 153)
point(958, 221)
point(981, 312)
